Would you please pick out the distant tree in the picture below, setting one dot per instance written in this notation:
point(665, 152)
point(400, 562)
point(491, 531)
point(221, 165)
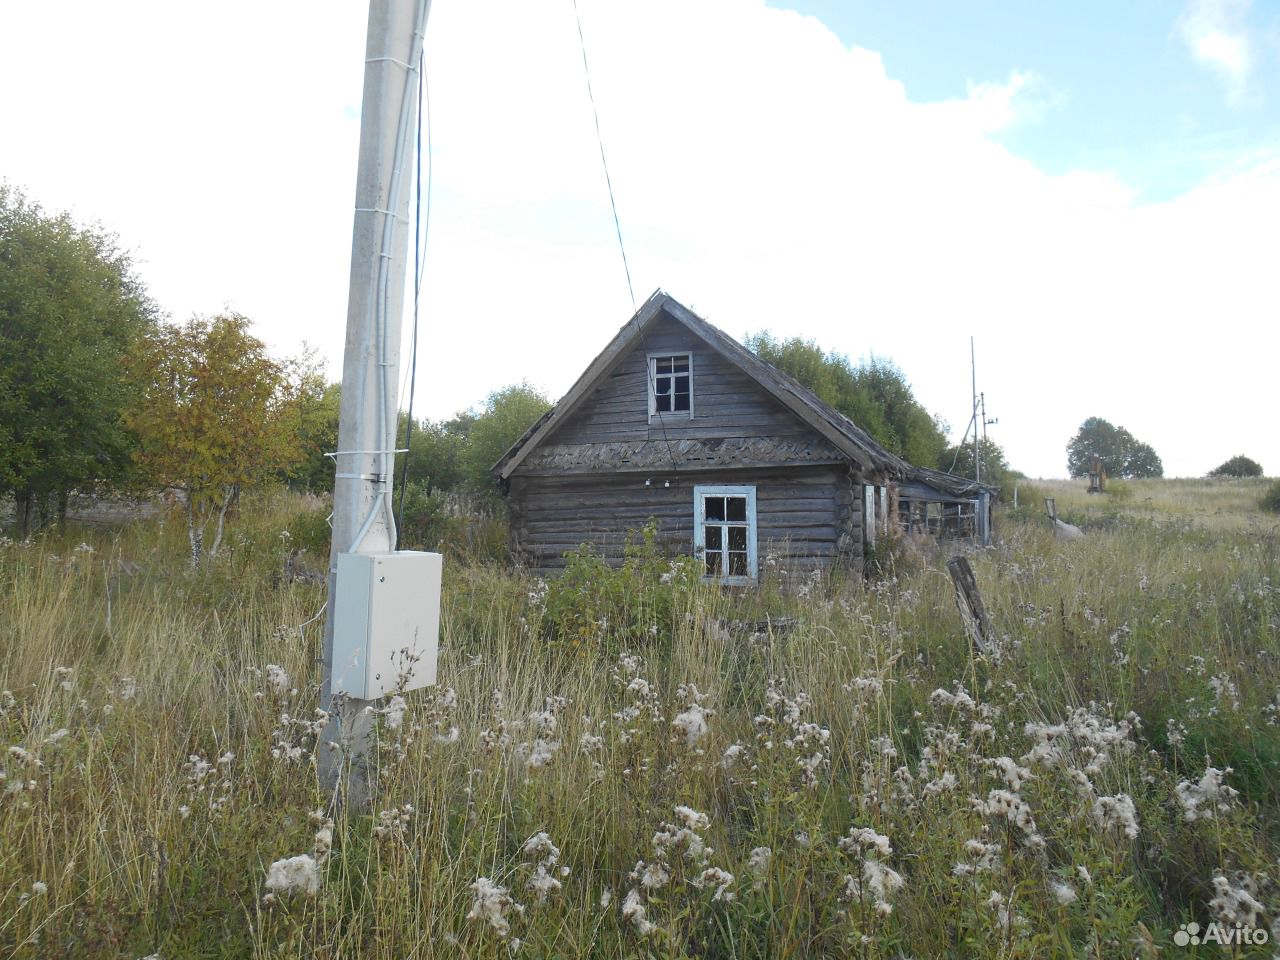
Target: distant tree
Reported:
point(1240, 466)
point(874, 394)
point(71, 308)
point(217, 415)
point(318, 435)
point(995, 468)
point(437, 452)
point(1142, 461)
point(1121, 453)
point(507, 414)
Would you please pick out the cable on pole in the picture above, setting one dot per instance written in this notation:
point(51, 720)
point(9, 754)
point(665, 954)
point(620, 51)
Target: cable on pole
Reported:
point(420, 227)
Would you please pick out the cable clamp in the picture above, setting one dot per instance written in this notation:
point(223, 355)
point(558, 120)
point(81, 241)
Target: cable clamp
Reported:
point(397, 62)
point(385, 213)
point(344, 453)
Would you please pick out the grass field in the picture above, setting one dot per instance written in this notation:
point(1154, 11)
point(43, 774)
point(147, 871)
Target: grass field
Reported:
point(631, 765)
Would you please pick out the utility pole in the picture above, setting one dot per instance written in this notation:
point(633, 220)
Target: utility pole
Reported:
point(363, 522)
point(977, 459)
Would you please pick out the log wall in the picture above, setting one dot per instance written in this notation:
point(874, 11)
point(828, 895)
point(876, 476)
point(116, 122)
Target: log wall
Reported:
point(806, 516)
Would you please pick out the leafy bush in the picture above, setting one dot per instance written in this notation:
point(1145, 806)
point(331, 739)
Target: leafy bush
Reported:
point(459, 526)
point(1118, 489)
point(310, 531)
point(455, 524)
point(637, 603)
point(1240, 466)
point(1271, 499)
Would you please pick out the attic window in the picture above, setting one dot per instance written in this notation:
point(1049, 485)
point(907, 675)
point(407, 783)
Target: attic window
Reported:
point(671, 384)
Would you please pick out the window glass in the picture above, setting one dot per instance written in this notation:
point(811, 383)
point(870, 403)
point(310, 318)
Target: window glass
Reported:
point(726, 531)
point(671, 383)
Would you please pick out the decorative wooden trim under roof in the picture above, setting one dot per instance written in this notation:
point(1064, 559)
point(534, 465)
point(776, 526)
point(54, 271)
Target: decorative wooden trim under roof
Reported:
point(846, 436)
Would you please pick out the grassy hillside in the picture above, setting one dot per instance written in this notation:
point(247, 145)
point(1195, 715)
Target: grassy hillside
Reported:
point(620, 765)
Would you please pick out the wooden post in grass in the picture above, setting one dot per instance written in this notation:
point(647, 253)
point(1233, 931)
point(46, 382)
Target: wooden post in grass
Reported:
point(972, 610)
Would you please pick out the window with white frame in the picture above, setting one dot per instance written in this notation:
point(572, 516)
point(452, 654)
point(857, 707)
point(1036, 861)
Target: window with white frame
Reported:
point(724, 532)
point(671, 384)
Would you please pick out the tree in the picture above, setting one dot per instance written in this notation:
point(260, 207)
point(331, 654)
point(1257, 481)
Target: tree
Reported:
point(875, 395)
point(71, 308)
point(995, 468)
point(318, 434)
point(1121, 453)
point(217, 415)
point(437, 450)
point(507, 414)
point(1240, 466)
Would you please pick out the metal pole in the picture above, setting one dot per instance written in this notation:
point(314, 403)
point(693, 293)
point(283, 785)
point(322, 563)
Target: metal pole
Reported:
point(982, 404)
point(362, 516)
point(973, 367)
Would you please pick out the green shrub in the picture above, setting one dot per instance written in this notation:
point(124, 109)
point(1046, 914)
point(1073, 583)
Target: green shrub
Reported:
point(1271, 499)
point(310, 531)
point(1118, 490)
point(460, 526)
point(637, 603)
point(1240, 466)
point(457, 525)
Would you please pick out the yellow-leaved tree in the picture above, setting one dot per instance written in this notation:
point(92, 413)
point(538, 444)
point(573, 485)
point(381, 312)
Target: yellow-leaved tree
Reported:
point(217, 415)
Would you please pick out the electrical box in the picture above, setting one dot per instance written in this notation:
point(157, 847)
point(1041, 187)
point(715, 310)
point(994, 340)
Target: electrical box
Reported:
point(386, 622)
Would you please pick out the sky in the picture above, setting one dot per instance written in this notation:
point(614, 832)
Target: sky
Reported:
point(1091, 191)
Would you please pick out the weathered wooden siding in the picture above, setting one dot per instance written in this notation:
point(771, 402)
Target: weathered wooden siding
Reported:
point(806, 517)
point(726, 402)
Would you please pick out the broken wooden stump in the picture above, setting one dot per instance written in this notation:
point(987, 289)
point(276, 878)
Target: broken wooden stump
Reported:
point(972, 610)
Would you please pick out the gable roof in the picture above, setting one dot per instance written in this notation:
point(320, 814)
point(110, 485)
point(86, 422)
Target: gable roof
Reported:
point(847, 437)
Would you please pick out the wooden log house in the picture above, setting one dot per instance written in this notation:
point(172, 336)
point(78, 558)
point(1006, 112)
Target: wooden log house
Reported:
point(734, 460)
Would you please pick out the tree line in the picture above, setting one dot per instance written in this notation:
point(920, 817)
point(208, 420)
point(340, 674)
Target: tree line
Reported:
point(99, 393)
point(876, 395)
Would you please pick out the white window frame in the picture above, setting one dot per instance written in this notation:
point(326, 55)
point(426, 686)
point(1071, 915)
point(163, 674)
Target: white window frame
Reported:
point(651, 366)
point(700, 493)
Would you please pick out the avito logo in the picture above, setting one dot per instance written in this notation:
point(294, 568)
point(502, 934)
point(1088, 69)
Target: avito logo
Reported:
point(1189, 934)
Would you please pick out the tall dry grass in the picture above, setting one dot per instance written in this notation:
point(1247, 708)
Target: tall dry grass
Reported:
point(869, 786)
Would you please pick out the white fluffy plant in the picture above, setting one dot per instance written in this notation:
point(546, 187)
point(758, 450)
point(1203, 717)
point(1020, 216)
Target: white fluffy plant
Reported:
point(876, 883)
point(680, 861)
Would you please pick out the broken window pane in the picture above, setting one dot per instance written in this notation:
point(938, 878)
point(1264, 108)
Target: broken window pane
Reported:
point(737, 508)
point(715, 508)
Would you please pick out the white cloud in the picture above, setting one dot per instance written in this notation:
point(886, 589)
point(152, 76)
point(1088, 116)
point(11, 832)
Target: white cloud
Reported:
point(766, 175)
point(1214, 32)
